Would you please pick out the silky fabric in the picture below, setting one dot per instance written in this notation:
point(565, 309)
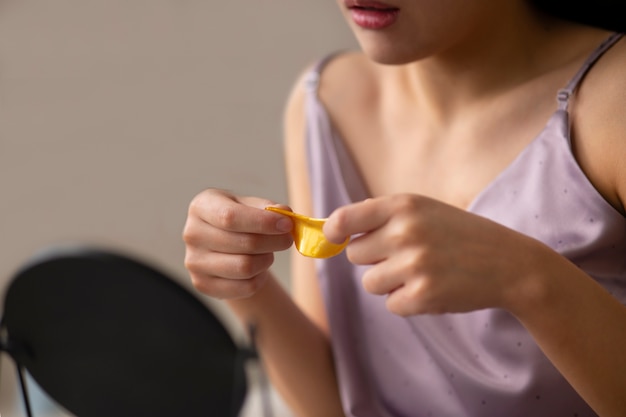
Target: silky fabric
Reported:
point(478, 364)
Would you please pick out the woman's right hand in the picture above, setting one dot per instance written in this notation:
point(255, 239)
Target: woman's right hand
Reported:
point(230, 243)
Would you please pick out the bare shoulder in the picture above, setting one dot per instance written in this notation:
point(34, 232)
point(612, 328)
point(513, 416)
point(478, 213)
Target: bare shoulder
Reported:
point(344, 80)
point(599, 125)
point(348, 82)
point(342, 75)
point(605, 85)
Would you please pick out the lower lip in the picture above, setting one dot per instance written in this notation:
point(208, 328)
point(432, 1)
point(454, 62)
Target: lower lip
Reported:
point(374, 19)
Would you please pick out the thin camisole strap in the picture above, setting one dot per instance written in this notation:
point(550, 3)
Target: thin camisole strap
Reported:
point(563, 96)
point(313, 78)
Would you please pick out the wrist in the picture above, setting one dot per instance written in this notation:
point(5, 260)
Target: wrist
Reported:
point(249, 307)
point(534, 287)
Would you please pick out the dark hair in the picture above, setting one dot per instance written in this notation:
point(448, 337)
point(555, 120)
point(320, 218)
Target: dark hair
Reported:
point(605, 14)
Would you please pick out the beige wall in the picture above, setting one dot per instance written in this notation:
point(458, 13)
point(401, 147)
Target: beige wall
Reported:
point(114, 113)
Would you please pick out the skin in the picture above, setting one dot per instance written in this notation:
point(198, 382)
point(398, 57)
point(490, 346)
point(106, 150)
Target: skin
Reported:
point(456, 91)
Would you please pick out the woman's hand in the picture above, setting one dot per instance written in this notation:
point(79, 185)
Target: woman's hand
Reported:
point(230, 243)
point(429, 257)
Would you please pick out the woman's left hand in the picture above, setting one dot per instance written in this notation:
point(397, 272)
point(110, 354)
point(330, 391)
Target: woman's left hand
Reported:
point(429, 257)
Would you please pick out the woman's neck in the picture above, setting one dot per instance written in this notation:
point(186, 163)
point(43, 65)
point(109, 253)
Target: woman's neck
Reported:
point(496, 59)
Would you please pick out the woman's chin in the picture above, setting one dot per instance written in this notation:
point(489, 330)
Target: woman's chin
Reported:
point(388, 55)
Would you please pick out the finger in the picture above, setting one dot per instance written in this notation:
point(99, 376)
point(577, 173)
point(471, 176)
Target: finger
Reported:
point(366, 249)
point(407, 300)
point(383, 278)
point(223, 288)
point(211, 238)
point(199, 235)
point(228, 266)
point(355, 219)
point(235, 214)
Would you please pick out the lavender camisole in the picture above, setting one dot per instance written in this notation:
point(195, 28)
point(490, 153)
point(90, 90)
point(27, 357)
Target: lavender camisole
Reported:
point(482, 363)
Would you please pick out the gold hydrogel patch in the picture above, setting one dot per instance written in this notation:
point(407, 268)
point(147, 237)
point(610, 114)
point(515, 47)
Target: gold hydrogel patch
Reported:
point(308, 236)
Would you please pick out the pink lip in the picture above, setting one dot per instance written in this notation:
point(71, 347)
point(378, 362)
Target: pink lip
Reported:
point(373, 15)
point(368, 4)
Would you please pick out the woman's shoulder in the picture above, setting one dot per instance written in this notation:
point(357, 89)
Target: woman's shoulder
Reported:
point(607, 77)
point(599, 124)
point(342, 82)
point(336, 74)
point(347, 78)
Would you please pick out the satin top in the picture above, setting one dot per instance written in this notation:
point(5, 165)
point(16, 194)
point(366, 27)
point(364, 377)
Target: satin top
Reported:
point(478, 364)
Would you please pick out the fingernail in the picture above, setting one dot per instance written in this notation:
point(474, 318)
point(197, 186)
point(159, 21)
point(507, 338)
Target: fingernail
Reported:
point(284, 225)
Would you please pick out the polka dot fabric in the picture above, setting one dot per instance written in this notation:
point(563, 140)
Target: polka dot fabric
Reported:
point(484, 363)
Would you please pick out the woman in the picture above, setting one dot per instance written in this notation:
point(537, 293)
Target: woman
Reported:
point(474, 152)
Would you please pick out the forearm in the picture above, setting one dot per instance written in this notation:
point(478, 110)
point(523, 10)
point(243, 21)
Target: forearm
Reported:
point(295, 352)
point(581, 328)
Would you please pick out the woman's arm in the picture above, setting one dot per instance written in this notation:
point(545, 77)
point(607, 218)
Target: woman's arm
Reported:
point(582, 329)
point(305, 288)
point(293, 338)
point(577, 323)
point(294, 351)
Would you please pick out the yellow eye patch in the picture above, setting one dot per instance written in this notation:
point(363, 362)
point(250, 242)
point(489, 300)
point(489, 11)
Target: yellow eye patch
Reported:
point(308, 236)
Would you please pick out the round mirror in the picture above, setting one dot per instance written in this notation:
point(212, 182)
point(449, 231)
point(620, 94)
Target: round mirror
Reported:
point(106, 335)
